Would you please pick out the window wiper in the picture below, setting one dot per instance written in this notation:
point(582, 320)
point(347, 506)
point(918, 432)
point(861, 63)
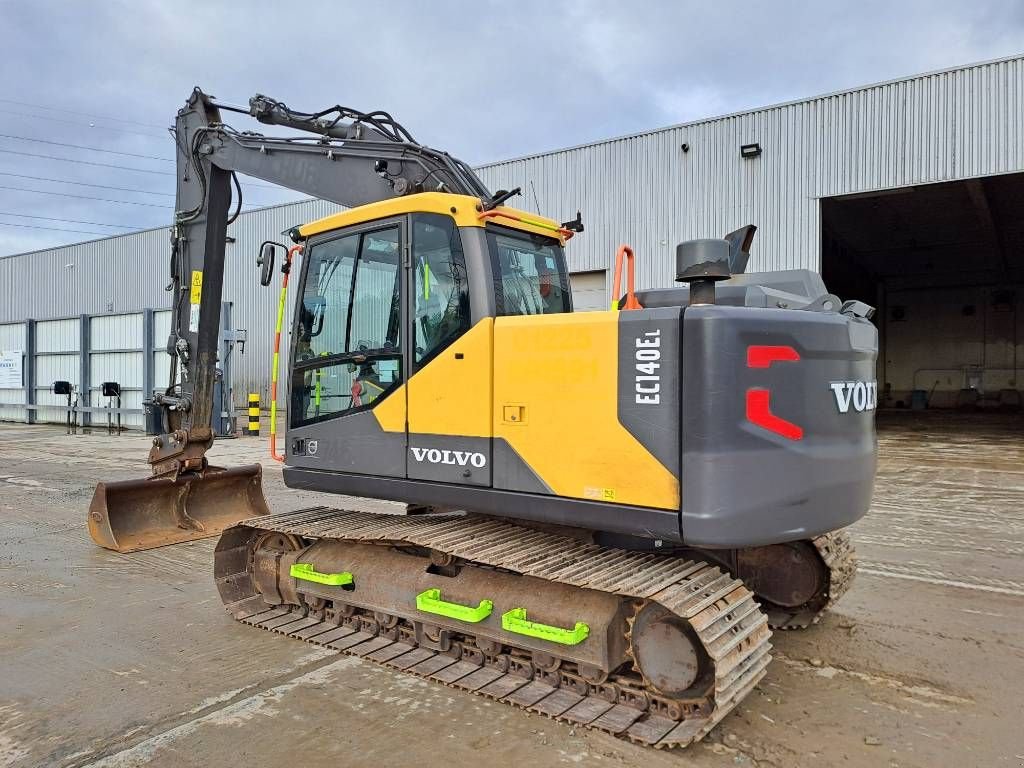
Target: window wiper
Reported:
point(358, 356)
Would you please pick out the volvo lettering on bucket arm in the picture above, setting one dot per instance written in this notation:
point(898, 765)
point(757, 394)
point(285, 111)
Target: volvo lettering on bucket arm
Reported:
point(608, 511)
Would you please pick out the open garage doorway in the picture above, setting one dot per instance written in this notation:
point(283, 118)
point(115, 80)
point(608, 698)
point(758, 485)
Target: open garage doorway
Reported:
point(944, 265)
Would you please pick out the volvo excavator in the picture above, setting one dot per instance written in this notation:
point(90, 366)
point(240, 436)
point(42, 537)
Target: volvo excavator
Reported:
point(607, 512)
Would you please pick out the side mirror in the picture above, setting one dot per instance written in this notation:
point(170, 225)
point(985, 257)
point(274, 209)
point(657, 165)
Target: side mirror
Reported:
point(268, 253)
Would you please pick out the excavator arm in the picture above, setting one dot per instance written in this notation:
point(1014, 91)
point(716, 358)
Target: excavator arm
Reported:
point(348, 157)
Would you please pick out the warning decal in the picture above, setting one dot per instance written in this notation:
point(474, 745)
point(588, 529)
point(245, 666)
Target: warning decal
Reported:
point(196, 294)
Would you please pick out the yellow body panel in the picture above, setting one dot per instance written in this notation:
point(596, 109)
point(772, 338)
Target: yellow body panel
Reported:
point(452, 396)
point(555, 402)
point(462, 208)
point(449, 395)
point(390, 412)
point(548, 385)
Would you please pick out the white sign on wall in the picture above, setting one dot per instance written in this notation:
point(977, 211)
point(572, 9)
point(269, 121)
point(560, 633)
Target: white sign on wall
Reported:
point(10, 369)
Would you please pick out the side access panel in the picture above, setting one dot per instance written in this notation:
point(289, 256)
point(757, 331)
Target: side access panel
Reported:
point(566, 417)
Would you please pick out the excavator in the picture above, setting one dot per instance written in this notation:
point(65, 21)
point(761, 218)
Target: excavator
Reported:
point(607, 512)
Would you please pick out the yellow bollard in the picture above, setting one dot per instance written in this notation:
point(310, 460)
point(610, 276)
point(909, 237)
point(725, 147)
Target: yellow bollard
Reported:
point(254, 415)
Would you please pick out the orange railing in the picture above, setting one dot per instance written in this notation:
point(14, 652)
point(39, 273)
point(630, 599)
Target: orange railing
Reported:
point(625, 252)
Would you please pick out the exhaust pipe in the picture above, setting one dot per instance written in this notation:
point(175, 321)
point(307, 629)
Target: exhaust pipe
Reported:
point(133, 515)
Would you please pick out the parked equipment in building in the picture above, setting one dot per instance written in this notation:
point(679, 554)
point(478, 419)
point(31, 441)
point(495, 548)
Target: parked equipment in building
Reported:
point(634, 478)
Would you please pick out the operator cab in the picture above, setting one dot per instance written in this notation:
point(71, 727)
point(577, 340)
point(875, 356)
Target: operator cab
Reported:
point(384, 290)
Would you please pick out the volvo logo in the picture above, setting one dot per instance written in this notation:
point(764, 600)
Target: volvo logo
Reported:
point(455, 458)
point(860, 395)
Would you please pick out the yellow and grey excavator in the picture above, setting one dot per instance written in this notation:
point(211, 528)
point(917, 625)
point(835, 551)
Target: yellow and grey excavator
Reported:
point(606, 511)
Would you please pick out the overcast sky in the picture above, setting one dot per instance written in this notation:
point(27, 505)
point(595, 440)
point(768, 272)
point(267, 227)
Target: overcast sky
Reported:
point(483, 80)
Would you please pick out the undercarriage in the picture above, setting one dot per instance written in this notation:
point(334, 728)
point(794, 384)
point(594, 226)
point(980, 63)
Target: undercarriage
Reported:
point(649, 647)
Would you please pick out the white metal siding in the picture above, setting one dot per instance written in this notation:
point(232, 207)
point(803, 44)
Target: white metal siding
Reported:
point(57, 336)
point(57, 359)
point(589, 291)
point(161, 360)
point(111, 336)
point(12, 337)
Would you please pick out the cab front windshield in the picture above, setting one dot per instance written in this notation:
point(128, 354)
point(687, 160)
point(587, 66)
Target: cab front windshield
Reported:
point(529, 273)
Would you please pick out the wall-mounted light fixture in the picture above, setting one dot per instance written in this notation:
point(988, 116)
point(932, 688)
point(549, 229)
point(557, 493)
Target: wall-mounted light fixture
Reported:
point(749, 151)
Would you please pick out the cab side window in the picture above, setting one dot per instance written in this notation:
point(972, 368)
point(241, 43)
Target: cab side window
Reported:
point(347, 349)
point(529, 273)
point(440, 285)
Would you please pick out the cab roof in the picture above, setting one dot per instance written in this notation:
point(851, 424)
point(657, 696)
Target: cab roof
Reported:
point(466, 210)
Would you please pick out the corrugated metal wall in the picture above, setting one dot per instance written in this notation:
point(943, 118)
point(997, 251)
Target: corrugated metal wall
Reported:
point(12, 338)
point(129, 273)
point(639, 189)
point(57, 359)
point(116, 354)
point(644, 190)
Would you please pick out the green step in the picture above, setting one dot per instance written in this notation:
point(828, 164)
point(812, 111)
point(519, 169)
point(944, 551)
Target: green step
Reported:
point(515, 621)
point(431, 602)
point(307, 572)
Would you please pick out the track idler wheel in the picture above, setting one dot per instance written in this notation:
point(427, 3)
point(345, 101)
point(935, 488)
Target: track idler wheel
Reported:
point(667, 654)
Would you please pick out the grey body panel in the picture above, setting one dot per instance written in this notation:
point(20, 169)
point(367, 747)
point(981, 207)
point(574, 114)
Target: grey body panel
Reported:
point(449, 459)
point(746, 486)
point(353, 443)
point(743, 290)
point(512, 473)
point(648, 398)
point(592, 515)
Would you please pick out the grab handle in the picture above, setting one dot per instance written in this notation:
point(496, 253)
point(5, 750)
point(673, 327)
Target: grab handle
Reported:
point(631, 301)
point(431, 602)
point(515, 621)
point(306, 572)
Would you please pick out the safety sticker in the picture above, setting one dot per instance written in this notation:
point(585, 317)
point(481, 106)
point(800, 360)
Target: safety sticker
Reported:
point(196, 294)
point(601, 494)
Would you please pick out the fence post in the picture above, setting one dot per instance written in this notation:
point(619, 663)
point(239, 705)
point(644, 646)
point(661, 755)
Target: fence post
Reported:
point(147, 355)
point(84, 359)
point(30, 370)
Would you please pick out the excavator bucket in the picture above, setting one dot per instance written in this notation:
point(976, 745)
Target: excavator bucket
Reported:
point(130, 515)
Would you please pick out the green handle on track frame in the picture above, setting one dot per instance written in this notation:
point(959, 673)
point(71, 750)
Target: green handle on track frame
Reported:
point(515, 621)
point(306, 572)
point(431, 602)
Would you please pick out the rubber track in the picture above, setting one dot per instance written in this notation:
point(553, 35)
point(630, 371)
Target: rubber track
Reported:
point(722, 611)
point(837, 552)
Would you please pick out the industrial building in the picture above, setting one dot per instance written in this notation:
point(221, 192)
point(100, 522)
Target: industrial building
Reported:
point(908, 194)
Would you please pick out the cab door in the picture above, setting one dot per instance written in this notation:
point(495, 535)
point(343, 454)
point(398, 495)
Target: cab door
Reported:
point(347, 352)
point(449, 388)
